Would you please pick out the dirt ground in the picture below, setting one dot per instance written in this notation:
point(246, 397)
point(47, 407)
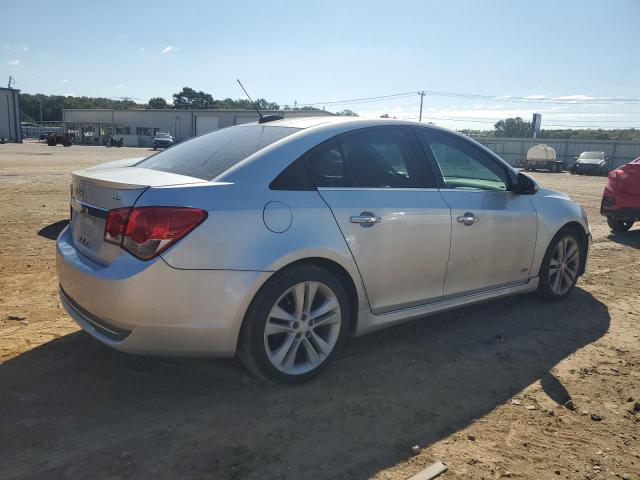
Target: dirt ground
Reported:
point(481, 389)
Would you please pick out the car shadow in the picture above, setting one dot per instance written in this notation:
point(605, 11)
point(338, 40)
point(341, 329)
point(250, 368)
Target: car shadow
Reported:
point(52, 231)
point(74, 408)
point(630, 238)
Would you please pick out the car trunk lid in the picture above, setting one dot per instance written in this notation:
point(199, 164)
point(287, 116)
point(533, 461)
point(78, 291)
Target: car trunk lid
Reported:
point(96, 191)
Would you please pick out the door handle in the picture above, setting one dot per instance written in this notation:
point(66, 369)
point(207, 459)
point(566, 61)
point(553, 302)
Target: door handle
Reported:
point(366, 219)
point(468, 219)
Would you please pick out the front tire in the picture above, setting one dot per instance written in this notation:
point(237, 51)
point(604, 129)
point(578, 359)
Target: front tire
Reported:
point(560, 266)
point(295, 325)
point(619, 226)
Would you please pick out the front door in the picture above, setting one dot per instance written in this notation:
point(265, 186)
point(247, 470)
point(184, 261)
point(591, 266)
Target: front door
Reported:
point(394, 220)
point(493, 230)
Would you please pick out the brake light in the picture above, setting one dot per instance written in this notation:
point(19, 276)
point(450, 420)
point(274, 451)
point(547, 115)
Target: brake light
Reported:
point(619, 175)
point(116, 224)
point(147, 231)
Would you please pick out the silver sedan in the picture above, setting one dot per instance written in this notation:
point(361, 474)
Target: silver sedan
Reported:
point(275, 241)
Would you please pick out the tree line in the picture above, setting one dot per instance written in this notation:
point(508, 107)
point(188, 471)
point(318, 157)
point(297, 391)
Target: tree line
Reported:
point(36, 107)
point(519, 128)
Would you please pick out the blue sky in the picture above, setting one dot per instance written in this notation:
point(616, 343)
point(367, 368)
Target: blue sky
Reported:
point(323, 51)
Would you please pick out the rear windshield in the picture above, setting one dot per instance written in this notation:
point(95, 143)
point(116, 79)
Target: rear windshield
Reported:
point(207, 156)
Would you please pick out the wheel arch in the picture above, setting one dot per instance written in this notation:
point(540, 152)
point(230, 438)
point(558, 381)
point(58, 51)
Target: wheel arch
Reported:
point(355, 291)
point(345, 278)
point(583, 236)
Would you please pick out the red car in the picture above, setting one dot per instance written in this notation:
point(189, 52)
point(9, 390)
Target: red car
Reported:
point(621, 197)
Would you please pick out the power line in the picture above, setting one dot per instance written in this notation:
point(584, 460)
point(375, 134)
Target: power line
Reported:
point(481, 97)
point(358, 100)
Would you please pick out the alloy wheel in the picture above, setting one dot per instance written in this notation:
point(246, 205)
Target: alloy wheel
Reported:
point(302, 328)
point(563, 266)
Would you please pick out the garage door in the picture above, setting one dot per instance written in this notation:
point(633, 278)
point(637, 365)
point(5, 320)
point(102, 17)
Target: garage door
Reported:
point(206, 124)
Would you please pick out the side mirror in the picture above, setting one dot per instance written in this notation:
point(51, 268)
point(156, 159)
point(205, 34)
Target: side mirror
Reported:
point(525, 185)
point(575, 158)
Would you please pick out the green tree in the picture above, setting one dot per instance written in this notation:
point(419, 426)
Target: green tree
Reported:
point(158, 103)
point(347, 113)
point(513, 127)
point(189, 98)
point(52, 105)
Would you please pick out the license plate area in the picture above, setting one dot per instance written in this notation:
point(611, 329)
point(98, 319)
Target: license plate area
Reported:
point(87, 226)
point(87, 231)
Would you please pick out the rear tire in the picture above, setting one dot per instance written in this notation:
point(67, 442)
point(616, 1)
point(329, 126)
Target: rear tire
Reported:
point(560, 266)
point(619, 226)
point(295, 325)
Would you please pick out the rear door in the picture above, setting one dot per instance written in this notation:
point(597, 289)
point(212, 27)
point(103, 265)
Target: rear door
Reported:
point(493, 230)
point(390, 212)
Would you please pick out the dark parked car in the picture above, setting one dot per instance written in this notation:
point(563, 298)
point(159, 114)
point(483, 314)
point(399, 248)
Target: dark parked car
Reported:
point(162, 140)
point(590, 163)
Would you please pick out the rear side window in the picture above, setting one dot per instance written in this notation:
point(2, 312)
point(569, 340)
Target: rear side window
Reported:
point(367, 158)
point(208, 156)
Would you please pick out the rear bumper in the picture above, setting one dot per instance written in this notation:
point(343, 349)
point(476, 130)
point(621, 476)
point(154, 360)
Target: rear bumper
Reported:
point(624, 213)
point(619, 204)
point(152, 308)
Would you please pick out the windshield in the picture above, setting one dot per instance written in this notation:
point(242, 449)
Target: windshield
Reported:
point(207, 156)
point(163, 135)
point(591, 156)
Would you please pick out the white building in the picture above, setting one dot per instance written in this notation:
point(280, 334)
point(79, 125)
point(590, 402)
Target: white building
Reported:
point(10, 114)
point(138, 127)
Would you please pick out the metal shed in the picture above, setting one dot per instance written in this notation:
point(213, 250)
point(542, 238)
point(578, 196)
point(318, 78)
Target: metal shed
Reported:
point(10, 114)
point(137, 127)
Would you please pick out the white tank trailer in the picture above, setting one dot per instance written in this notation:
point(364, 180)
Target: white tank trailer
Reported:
point(542, 157)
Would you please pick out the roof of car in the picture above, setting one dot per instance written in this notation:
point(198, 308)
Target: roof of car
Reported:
point(309, 122)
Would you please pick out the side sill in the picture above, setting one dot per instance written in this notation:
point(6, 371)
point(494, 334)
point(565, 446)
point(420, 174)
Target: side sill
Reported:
point(369, 322)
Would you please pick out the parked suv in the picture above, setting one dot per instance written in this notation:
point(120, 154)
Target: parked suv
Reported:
point(621, 197)
point(590, 163)
point(162, 140)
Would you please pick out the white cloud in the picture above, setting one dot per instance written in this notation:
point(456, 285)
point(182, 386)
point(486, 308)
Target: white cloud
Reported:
point(170, 49)
point(574, 97)
point(13, 62)
point(18, 46)
point(119, 86)
point(64, 80)
point(536, 97)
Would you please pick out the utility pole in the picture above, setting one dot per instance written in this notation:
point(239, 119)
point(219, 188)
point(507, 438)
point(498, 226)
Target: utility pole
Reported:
point(421, 99)
point(11, 80)
point(40, 101)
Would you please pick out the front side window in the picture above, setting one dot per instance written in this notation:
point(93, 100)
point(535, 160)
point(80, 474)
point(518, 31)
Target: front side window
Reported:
point(209, 155)
point(367, 158)
point(462, 165)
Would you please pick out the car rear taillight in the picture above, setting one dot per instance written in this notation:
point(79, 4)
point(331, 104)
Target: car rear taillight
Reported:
point(147, 231)
point(619, 175)
point(115, 227)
